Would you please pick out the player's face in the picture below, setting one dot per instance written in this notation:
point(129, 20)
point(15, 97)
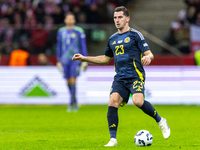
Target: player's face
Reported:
point(120, 20)
point(70, 20)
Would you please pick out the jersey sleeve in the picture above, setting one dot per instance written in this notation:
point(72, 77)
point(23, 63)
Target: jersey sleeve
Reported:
point(59, 44)
point(83, 44)
point(108, 51)
point(141, 42)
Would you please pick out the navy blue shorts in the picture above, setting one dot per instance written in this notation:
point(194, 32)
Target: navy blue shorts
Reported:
point(127, 87)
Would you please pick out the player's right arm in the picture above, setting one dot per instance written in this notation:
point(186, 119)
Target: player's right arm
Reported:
point(102, 59)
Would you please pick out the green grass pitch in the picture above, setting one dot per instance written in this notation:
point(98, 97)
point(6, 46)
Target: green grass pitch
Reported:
point(50, 127)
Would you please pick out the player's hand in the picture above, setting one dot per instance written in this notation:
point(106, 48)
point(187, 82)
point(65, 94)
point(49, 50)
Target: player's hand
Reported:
point(84, 66)
point(78, 57)
point(146, 60)
point(60, 67)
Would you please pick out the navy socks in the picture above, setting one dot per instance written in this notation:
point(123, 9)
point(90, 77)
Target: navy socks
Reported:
point(150, 110)
point(112, 117)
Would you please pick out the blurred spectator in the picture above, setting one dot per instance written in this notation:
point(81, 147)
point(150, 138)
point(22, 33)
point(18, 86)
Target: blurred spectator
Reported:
point(18, 31)
point(90, 2)
point(19, 57)
point(178, 36)
point(193, 8)
point(39, 13)
point(8, 36)
point(43, 60)
point(106, 11)
point(169, 39)
point(94, 14)
point(82, 18)
point(58, 15)
point(49, 6)
point(198, 19)
point(38, 39)
point(48, 22)
point(182, 37)
point(76, 10)
point(30, 3)
point(12, 2)
point(21, 10)
point(10, 14)
point(182, 18)
point(191, 17)
point(2, 29)
point(83, 7)
point(67, 6)
point(30, 21)
point(3, 7)
point(18, 19)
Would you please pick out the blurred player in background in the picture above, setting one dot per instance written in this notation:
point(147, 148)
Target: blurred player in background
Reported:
point(71, 40)
point(131, 52)
point(43, 60)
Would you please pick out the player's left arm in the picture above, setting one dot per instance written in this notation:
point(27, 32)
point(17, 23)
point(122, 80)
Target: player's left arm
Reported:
point(83, 44)
point(83, 50)
point(143, 46)
point(147, 58)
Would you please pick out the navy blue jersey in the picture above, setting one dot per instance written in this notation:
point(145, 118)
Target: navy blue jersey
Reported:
point(127, 49)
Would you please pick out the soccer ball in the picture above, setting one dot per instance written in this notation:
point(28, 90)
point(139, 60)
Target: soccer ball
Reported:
point(143, 138)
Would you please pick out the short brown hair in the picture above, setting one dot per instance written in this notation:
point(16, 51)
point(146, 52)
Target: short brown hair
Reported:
point(69, 13)
point(124, 9)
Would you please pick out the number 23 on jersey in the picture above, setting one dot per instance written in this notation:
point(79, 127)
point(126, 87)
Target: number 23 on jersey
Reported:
point(119, 49)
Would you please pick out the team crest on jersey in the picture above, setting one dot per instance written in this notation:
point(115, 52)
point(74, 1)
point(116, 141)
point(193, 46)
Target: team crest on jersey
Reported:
point(126, 40)
point(73, 35)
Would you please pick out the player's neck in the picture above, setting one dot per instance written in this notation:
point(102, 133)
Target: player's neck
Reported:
point(125, 29)
point(70, 27)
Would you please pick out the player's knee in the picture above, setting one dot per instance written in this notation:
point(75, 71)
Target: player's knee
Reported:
point(113, 102)
point(138, 100)
point(138, 103)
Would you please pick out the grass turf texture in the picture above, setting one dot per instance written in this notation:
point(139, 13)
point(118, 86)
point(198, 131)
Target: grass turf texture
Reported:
point(49, 127)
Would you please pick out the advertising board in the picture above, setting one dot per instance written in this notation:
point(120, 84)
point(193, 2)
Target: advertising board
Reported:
point(46, 85)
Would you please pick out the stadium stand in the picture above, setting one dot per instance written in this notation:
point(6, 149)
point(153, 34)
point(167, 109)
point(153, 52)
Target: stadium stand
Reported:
point(20, 22)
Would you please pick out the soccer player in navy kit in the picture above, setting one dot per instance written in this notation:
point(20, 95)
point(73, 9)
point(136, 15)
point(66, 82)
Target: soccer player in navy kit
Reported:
point(71, 40)
point(131, 52)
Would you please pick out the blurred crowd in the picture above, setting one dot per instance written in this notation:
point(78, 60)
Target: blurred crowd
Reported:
point(32, 24)
point(192, 11)
point(179, 34)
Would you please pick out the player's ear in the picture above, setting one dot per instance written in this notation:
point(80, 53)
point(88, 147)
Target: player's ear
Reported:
point(127, 19)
